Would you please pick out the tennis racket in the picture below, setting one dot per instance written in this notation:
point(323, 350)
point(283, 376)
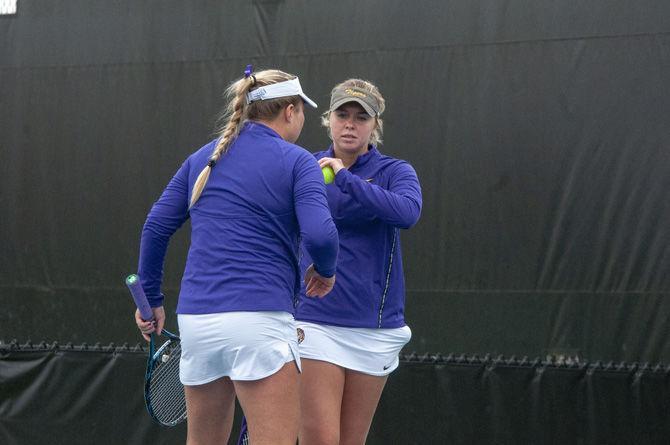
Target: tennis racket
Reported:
point(244, 433)
point(163, 392)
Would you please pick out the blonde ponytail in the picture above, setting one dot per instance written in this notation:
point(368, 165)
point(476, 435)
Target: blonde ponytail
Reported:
point(238, 92)
point(237, 112)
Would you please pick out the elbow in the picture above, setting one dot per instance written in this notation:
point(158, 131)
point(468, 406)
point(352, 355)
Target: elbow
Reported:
point(410, 218)
point(326, 245)
point(161, 227)
point(152, 229)
point(408, 224)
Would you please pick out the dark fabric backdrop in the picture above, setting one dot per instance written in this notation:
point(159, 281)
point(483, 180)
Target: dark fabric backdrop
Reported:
point(538, 130)
point(78, 397)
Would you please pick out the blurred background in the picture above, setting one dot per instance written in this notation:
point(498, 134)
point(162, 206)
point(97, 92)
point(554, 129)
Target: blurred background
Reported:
point(539, 131)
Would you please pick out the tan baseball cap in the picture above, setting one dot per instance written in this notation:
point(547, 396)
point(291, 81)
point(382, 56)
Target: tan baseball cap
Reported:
point(345, 94)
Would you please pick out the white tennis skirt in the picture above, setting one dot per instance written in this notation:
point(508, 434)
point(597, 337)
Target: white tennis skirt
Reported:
point(239, 345)
point(370, 351)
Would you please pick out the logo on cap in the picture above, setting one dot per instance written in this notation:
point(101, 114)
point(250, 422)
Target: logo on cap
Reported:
point(354, 93)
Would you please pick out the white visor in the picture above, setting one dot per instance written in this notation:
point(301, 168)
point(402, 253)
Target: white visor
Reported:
point(281, 89)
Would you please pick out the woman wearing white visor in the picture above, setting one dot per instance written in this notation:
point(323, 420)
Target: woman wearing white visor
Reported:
point(250, 194)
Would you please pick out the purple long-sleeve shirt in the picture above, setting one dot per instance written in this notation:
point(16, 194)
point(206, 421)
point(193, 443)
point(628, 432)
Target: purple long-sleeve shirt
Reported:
point(262, 197)
point(370, 202)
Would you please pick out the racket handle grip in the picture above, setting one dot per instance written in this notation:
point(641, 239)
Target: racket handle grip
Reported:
point(134, 284)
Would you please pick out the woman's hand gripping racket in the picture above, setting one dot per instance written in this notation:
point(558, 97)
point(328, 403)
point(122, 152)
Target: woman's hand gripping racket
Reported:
point(163, 392)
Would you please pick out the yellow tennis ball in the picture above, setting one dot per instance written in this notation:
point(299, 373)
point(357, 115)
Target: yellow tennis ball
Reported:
point(328, 174)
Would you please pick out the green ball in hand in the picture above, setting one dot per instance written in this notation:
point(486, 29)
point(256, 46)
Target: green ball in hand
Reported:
point(328, 174)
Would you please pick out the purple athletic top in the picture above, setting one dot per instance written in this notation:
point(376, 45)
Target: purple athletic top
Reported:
point(370, 202)
point(263, 197)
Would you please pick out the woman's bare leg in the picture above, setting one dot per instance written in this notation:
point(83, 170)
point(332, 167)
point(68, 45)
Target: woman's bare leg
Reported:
point(272, 406)
point(210, 408)
point(321, 399)
point(359, 403)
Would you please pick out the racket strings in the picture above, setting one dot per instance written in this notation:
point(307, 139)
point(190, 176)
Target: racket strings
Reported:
point(166, 393)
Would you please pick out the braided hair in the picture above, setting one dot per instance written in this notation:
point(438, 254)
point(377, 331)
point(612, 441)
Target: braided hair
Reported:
point(238, 112)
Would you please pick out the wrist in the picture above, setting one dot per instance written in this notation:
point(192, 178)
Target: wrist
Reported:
point(329, 273)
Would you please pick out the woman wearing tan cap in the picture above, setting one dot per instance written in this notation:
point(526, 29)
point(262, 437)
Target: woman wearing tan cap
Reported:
point(352, 336)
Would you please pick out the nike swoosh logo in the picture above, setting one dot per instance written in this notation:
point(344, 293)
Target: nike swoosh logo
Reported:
point(386, 367)
point(370, 180)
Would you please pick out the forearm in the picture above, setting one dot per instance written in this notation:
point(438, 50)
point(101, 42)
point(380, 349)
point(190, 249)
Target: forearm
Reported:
point(153, 248)
point(165, 217)
point(400, 206)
